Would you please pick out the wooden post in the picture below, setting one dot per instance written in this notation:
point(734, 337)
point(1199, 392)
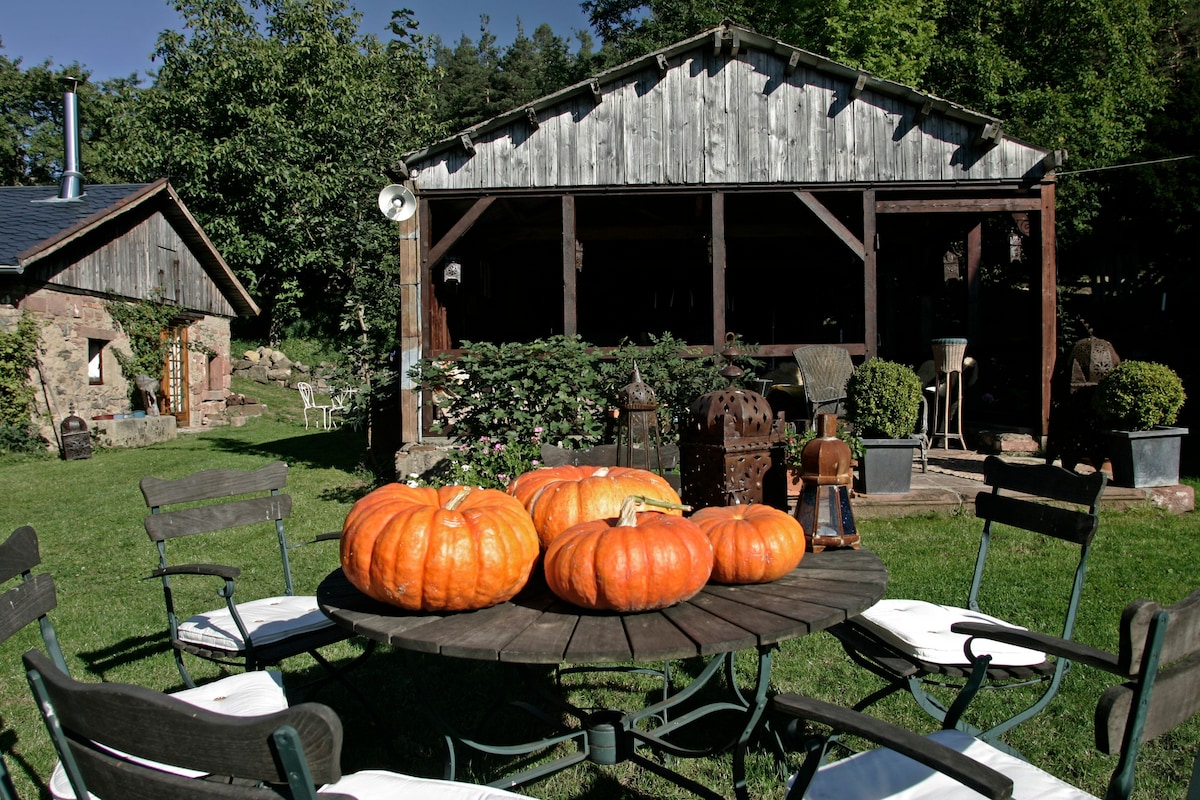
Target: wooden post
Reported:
point(1049, 289)
point(718, 270)
point(409, 322)
point(570, 241)
point(870, 277)
point(974, 281)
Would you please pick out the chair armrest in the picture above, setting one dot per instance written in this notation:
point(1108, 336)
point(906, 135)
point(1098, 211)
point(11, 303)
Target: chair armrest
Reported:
point(1052, 645)
point(966, 771)
point(332, 536)
point(218, 570)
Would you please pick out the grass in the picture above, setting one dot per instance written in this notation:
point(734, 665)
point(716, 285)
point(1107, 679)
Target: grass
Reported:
point(110, 620)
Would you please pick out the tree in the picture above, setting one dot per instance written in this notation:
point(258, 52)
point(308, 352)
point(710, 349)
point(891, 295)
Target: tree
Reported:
point(276, 121)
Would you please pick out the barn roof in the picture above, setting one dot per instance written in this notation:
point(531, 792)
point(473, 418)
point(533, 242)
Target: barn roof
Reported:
point(35, 223)
point(729, 107)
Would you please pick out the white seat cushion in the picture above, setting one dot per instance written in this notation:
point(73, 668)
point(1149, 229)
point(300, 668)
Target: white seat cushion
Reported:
point(922, 630)
point(886, 775)
point(247, 694)
point(268, 620)
point(373, 783)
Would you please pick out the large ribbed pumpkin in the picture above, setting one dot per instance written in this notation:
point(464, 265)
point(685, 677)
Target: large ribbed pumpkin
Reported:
point(449, 549)
point(635, 562)
point(559, 497)
point(752, 543)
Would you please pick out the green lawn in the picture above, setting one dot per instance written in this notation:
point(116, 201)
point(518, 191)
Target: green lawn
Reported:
point(89, 517)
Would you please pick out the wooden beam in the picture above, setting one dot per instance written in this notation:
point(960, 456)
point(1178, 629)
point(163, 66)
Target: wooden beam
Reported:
point(793, 62)
point(570, 266)
point(974, 281)
point(860, 83)
point(409, 322)
point(833, 223)
point(924, 111)
point(531, 115)
point(661, 61)
point(597, 95)
point(438, 251)
point(958, 205)
point(1049, 305)
point(718, 269)
point(870, 277)
point(989, 136)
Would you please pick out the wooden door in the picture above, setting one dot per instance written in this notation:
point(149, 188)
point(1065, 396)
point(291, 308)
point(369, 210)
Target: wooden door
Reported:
point(176, 397)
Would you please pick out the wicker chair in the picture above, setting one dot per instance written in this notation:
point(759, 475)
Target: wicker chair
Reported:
point(824, 368)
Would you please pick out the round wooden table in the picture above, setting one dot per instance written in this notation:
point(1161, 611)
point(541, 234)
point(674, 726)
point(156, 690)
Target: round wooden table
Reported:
point(537, 628)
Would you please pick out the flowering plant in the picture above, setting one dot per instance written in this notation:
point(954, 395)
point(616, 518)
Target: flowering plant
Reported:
point(494, 461)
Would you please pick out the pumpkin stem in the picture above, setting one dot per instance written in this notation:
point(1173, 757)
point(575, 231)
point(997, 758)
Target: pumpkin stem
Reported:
point(634, 503)
point(453, 503)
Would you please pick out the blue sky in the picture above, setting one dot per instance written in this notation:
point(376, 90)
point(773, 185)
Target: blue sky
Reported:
point(115, 38)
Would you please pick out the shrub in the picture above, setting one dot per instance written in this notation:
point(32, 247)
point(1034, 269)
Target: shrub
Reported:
point(18, 355)
point(1139, 395)
point(883, 399)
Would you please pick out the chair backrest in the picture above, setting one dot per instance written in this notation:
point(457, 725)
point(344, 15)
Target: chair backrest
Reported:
point(1044, 499)
point(1160, 653)
point(101, 730)
point(29, 599)
point(306, 394)
point(824, 370)
point(164, 524)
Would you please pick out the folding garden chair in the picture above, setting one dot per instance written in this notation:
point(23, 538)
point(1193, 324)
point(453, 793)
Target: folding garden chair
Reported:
point(1158, 660)
point(909, 643)
point(251, 633)
point(106, 733)
point(33, 597)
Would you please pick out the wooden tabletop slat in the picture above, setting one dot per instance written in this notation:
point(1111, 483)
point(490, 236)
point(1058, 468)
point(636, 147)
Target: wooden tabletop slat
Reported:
point(598, 638)
point(653, 637)
point(537, 628)
point(710, 633)
point(545, 640)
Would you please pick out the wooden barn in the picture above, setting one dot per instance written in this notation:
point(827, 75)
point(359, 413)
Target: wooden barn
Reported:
point(735, 183)
point(65, 255)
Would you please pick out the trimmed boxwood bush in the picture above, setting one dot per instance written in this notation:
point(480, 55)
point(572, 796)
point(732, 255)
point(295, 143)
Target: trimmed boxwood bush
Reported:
point(883, 399)
point(1139, 396)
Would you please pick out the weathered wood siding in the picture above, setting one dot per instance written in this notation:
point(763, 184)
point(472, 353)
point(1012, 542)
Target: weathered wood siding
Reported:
point(149, 257)
point(716, 120)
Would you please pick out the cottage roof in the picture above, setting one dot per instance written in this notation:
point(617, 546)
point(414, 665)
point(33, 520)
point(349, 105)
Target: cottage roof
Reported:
point(35, 223)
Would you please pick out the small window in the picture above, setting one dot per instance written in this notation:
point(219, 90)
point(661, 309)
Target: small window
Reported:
point(96, 361)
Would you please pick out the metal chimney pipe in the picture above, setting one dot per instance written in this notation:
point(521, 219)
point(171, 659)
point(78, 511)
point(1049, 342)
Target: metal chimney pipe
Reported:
point(71, 185)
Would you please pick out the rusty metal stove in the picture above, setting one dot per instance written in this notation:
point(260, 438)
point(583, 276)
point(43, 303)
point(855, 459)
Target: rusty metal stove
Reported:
point(76, 440)
point(727, 444)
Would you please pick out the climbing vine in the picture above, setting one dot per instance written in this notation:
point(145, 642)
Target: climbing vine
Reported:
point(18, 355)
point(143, 322)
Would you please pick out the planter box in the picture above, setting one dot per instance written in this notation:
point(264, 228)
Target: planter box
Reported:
point(1143, 459)
point(886, 466)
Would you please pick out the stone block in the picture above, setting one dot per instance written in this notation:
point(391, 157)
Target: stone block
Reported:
point(135, 431)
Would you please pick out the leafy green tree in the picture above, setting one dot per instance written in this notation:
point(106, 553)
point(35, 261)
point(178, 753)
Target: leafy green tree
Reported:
point(276, 121)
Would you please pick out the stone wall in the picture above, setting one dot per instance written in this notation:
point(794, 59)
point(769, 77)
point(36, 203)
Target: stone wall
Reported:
point(268, 365)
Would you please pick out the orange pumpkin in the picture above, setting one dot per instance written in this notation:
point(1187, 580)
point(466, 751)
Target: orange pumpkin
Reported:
point(449, 549)
point(636, 562)
point(559, 497)
point(751, 543)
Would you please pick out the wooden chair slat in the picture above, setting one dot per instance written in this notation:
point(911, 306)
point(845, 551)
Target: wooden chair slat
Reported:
point(213, 484)
point(1061, 523)
point(205, 519)
point(1044, 480)
point(25, 603)
point(18, 553)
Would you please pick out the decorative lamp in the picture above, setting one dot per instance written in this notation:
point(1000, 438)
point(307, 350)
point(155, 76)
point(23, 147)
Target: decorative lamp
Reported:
point(76, 441)
point(824, 507)
point(637, 425)
point(726, 444)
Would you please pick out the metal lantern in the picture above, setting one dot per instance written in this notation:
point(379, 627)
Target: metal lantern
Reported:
point(824, 507)
point(725, 448)
point(76, 441)
point(638, 434)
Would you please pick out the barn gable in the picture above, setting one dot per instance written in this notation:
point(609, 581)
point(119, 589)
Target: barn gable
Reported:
point(701, 112)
